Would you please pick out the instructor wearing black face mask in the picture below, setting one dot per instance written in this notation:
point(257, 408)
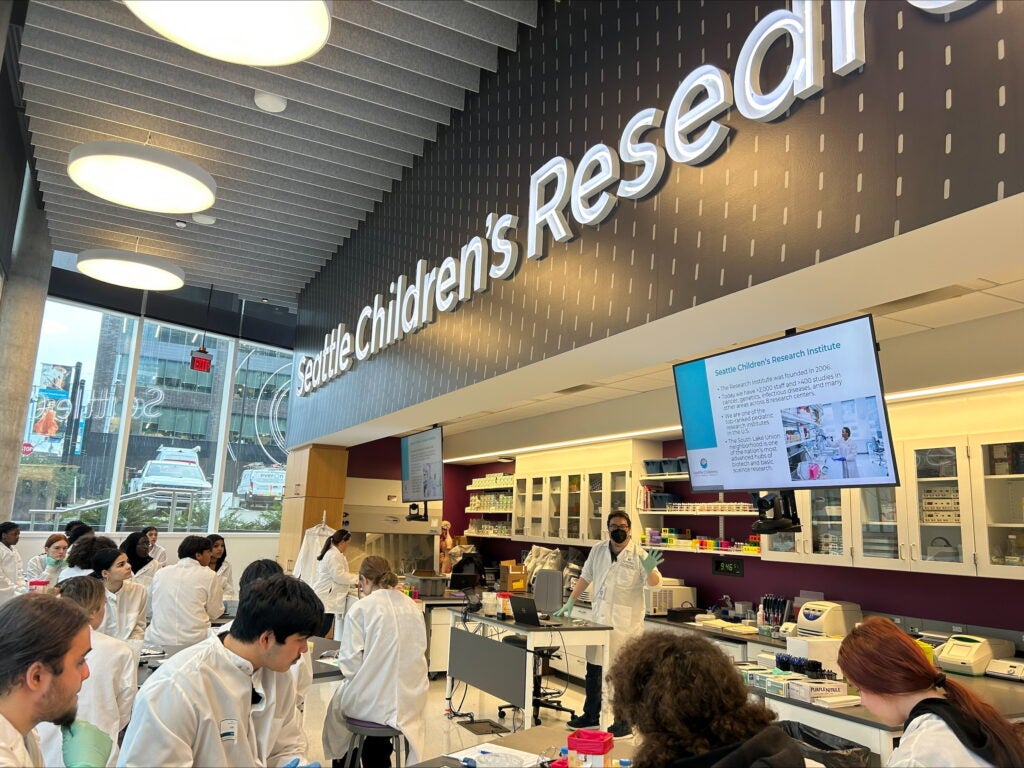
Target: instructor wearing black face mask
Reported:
point(617, 570)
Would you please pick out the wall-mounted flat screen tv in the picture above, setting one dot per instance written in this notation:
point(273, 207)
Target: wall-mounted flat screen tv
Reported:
point(422, 478)
point(801, 411)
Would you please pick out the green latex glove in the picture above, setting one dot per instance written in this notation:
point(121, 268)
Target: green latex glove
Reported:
point(566, 610)
point(85, 745)
point(652, 561)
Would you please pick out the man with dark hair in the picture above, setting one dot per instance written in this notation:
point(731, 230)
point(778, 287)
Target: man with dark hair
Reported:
point(187, 596)
point(615, 572)
point(42, 666)
point(229, 700)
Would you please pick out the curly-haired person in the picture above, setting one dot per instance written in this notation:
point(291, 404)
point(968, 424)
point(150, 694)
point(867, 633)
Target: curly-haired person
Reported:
point(688, 704)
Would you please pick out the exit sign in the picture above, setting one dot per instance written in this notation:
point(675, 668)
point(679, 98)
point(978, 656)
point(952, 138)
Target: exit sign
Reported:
point(201, 360)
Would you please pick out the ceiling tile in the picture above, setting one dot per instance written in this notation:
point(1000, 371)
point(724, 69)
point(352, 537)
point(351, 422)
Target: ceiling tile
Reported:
point(959, 310)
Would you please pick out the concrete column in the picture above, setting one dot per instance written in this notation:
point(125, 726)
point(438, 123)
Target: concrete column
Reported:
point(21, 318)
point(6, 6)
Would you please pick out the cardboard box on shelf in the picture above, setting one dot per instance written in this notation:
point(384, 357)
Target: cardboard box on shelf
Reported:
point(808, 690)
point(512, 576)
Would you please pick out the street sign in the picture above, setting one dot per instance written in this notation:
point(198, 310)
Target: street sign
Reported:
point(26, 449)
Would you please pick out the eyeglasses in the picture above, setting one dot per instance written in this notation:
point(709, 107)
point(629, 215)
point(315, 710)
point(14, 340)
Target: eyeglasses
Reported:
point(618, 527)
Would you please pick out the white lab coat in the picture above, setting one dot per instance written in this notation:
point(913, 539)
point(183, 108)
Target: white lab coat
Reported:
point(383, 661)
point(17, 751)
point(127, 608)
point(616, 593)
point(37, 570)
point(848, 452)
point(186, 598)
point(928, 741)
point(301, 671)
point(12, 576)
point(71, 571)
point(145, 574)
point(105, 699)
point(305, 562)
point(333, 581)
point(227, 581)
point(197, 709)
point(159, 554)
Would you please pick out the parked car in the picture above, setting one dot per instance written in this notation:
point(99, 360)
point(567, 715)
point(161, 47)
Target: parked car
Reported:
point(174, 453)
point(174, 475)
point(263, 485)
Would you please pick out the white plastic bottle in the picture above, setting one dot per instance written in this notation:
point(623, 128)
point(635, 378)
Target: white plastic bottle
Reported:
point(760, 615)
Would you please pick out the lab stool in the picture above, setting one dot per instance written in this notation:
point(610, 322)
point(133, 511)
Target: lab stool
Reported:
point(541, 698)
point(360, 729)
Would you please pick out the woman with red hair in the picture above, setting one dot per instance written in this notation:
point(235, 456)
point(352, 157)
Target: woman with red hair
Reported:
point(944, 724)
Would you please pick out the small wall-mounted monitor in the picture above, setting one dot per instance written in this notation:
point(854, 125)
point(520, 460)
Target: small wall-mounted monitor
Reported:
point(801, 411)
point(422, 475)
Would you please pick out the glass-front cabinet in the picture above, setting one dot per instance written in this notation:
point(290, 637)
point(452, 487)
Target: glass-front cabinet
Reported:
point(997, 494)
point(938, 477)
point(824, 537)
point(879, 528)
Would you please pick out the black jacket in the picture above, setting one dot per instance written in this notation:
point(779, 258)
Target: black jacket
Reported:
point(770, 748)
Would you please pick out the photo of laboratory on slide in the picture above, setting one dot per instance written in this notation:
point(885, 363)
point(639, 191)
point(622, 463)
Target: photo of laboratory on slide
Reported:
point(827, 441)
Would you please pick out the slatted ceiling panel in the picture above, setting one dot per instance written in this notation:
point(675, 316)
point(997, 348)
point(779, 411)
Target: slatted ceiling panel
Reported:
point(522, 11)
point(291, 186)
point(333, 91)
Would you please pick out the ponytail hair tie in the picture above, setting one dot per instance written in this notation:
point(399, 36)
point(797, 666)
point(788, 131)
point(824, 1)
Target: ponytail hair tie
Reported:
point(940, 680)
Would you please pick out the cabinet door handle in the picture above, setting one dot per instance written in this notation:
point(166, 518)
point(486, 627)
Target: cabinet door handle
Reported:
point(912, 555)
point(902, 555)
point(805, 547)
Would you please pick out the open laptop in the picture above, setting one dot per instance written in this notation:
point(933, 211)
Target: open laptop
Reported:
point(524, 611)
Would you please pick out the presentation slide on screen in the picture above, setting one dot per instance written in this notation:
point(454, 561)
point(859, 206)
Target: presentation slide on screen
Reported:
point(421, 467)
point(802, 411)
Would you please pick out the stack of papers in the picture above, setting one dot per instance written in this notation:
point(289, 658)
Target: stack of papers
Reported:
point(717, 624)
point(837, 702)
point(743, 629)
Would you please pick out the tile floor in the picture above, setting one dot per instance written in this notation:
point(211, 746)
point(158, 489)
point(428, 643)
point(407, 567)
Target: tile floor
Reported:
point(444, 735)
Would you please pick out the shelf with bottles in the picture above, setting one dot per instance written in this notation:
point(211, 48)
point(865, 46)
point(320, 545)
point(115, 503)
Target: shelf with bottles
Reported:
point(490, 527)
point(483, 501)
point(703, 544)
point(505, 512)
point(703, 509)
point(494, 482)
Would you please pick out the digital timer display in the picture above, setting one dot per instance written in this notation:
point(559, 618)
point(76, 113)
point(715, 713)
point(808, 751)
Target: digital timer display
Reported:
point(726, 566)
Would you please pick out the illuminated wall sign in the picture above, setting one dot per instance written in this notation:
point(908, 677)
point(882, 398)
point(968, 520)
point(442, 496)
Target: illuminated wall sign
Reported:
point(590, 192)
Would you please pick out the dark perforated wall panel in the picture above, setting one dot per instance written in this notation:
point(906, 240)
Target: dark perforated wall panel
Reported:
point(929, 128)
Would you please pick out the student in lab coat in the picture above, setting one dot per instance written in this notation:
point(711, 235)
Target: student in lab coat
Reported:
point(144, 567)
point(615, 571)
point(383, 661)
point(230, 700)
point(48, 565)
point(106, 697)
point(302, 672)
point(186, 596)
point(156, 551)
point(127, 602)
point(682, 694)
point(848, 454)
point(944, 723)
point(42, 667)
point(12, 576)
point(219, 564)
point(333, 580)
point(81, 555)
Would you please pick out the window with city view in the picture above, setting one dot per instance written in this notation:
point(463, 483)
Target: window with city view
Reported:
point(171, 471)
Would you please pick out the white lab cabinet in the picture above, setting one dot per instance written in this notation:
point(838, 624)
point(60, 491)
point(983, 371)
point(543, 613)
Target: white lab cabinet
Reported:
point(938, 493)
point(824, 538)
point(997, 496)
point(879, 527)
point(564, 496)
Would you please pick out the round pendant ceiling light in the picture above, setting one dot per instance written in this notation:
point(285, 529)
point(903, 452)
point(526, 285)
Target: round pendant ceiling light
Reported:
point(141, 176)
point(130, 270)
point(256, 33)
